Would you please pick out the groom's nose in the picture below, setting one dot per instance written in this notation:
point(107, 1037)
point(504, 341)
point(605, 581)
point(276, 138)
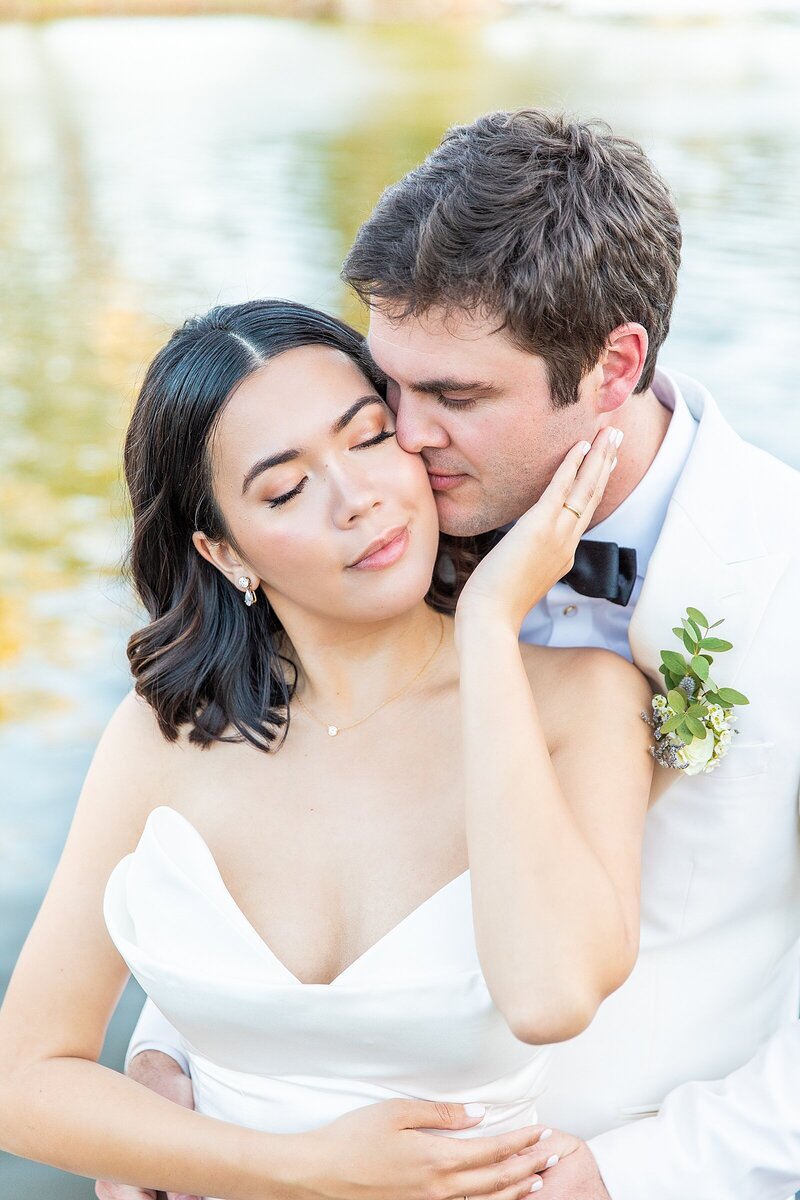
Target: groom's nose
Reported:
point(418, 424)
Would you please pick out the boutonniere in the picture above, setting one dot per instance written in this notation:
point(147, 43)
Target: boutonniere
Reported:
point(692, 723)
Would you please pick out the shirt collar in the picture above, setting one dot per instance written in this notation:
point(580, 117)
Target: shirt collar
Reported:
point(637, 521)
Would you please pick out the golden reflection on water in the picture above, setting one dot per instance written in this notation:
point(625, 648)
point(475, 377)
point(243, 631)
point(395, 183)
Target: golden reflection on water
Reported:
point(244, 168)
point(69, 387)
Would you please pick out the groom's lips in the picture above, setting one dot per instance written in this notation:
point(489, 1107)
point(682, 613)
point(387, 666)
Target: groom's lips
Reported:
point(444, 483)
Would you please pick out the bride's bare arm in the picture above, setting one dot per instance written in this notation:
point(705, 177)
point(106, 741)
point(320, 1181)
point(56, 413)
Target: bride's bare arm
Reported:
point(57, 1104)
point(554, 818)
point(60, 1106)
point(554, 833)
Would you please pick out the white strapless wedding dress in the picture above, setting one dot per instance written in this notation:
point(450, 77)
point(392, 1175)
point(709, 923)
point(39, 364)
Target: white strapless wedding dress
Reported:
point(410, 1018)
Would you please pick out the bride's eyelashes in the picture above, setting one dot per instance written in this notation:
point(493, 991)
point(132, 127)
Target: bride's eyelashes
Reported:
point(383, 436)
point(279, 500)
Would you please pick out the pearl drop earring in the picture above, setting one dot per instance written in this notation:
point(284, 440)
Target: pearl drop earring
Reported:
point(249, 595)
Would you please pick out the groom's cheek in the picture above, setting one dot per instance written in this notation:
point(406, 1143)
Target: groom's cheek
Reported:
point(393, 395)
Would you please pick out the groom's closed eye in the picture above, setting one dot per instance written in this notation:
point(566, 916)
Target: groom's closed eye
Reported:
point(453, 404)
point(456, 394)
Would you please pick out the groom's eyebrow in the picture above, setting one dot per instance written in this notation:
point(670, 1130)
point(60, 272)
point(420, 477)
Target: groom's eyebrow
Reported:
point(435, 387)
point(284, 456)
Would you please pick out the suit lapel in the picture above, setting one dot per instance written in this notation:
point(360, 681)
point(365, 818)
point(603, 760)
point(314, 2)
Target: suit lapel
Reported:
point(710, 554)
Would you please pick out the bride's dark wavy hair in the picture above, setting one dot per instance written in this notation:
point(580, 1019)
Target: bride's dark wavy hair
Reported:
point(205, 659)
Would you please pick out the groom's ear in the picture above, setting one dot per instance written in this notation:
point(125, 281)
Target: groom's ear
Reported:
point(621, 365)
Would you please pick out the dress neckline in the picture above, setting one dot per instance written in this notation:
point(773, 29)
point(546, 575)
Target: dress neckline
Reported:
point(239, 914)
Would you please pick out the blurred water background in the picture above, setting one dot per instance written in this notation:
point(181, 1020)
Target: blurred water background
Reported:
point(150, 167)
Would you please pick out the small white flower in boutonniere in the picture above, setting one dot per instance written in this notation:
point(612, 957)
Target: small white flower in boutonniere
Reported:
point(692, 723)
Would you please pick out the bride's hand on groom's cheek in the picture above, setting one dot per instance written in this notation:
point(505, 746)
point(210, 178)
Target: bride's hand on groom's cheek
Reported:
point(540, 548)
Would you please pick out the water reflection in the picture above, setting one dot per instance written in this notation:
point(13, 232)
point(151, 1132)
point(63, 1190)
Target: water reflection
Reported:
point(150, 168)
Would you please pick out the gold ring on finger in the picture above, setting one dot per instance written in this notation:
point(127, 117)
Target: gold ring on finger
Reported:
point(573, 510)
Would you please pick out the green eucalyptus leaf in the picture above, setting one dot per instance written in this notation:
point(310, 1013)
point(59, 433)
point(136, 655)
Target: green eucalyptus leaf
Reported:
point(730, 696)
point(696, 728)
point(676, 700)
point(692, 630)
point(699, 666)
point(684, 732)
point(674, 661)
point(672, 724)
point(697, 710)
point(678, 631)
point(718, 645)
point(695, 615)
point(713, 697)
point(689, 642)
point(716, 623)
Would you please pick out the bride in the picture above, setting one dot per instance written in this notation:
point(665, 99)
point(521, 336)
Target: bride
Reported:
point(364, 850)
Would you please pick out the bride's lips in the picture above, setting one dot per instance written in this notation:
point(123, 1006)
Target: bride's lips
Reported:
point(384, 550)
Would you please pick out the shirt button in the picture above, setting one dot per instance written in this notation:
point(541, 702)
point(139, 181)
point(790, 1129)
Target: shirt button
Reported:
point(570, 610)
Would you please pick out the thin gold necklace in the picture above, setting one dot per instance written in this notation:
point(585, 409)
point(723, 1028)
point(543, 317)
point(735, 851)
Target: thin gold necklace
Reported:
point(335, 730)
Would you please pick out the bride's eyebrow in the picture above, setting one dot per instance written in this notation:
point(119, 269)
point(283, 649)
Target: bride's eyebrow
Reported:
point(284, 456)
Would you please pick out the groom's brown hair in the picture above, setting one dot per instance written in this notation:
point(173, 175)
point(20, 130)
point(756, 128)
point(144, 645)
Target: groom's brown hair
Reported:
point(559, 229)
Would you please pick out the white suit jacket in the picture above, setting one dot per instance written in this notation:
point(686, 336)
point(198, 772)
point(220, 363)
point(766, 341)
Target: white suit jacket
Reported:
point(718, 970)
point(717, 974)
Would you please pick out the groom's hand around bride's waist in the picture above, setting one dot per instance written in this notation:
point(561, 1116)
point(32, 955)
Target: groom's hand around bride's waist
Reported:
point(392, 1148)
point(161, 1074)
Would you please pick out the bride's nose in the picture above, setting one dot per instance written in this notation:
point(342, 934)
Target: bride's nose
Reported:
point(354, 493)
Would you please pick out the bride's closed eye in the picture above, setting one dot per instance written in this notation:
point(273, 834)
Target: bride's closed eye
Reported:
point(375, 441)
point(383, 436)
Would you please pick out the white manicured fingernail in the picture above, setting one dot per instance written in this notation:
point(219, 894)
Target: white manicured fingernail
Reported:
point(537, 1185)
point(552, 1160)
point(475, 1110)
point(620, 436)
point(612, 467)
point(546, 1133)
point(586, 447)
point(612, 435)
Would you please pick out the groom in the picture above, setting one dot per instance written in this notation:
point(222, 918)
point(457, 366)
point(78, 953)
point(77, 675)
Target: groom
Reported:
point(520, 284)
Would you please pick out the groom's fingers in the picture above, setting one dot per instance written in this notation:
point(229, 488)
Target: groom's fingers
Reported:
point(120, 1191)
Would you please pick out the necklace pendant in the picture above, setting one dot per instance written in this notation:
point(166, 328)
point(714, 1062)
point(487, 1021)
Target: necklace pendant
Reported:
point(332, 731)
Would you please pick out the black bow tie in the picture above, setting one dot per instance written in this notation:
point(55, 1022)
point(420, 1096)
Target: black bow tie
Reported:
point(604, 570)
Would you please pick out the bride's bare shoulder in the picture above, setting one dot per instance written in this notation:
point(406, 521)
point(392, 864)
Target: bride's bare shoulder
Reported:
point(134, 743)
point(135, 722)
